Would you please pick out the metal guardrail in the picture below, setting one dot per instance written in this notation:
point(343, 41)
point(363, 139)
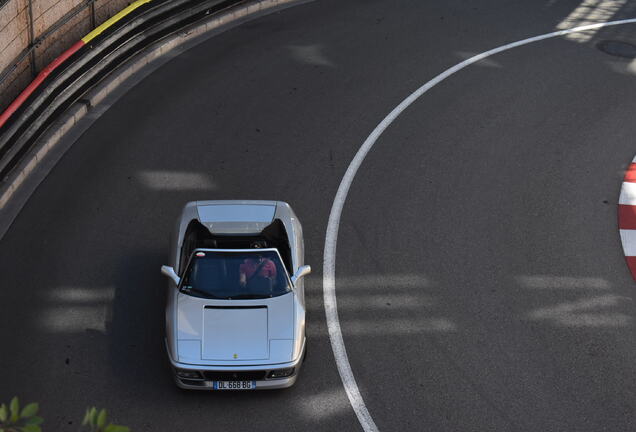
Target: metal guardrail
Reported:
point(30, 49)
point(26, 61)
point(101, 56)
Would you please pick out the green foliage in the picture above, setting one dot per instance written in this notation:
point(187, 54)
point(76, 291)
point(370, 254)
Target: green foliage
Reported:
point(14, 419)
point(96, 421)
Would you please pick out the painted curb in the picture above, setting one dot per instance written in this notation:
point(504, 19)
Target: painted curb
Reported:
point(627, 217)
point(53, 135)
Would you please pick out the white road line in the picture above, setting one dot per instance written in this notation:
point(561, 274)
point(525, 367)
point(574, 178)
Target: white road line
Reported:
point(331, 239)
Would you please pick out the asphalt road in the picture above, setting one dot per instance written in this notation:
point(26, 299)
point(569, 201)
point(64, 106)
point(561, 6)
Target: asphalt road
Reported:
point(480, 279)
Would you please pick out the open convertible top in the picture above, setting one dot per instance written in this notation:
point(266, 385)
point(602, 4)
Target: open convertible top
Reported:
point(236, 226)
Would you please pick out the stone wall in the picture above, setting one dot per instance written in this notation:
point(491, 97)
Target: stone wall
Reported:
point(54, 25)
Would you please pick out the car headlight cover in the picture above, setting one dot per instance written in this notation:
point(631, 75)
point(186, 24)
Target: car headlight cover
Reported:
point(281, 373)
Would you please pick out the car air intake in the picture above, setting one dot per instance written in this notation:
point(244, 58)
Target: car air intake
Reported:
point(234, 376)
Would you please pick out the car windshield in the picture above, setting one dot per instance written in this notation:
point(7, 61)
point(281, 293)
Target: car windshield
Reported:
point(235, 275)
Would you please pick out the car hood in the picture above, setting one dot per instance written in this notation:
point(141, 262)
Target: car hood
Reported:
point(235, 331)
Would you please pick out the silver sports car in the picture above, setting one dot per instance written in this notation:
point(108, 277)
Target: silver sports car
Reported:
point(235, 315)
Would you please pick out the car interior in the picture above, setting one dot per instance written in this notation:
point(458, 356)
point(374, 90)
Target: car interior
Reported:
point(198, 236)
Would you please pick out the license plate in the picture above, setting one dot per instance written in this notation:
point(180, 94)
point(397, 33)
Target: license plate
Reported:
point(234, 385)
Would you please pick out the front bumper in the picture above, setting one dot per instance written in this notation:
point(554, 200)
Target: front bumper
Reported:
point(270, 384)
point(255, 373)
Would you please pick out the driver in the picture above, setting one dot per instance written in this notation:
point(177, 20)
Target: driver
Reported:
point(256, 267)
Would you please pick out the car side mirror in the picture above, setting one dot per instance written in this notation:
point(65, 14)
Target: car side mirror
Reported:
point(169, 271)
point(302, 271)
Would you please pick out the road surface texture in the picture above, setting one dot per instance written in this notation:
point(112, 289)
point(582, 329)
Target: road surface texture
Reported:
point(480, 278)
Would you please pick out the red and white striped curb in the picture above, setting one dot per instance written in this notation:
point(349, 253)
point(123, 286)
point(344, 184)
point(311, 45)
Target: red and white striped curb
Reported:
point(627, 217)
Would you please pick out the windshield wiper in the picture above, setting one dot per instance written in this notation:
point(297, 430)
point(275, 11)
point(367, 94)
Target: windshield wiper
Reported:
point(204, 293)
point(248, 296)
